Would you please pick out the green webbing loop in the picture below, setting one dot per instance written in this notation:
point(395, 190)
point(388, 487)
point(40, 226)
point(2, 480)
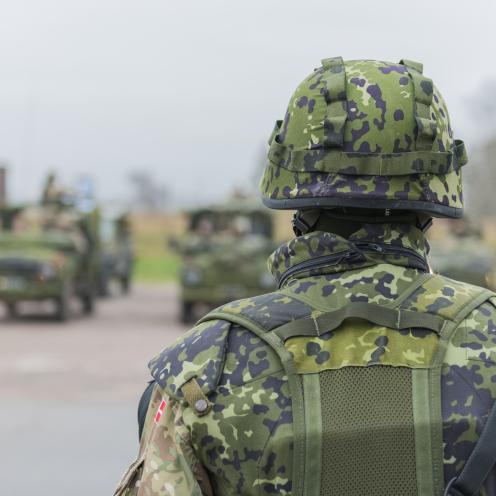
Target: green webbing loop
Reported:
point(423, 89)
point(376, 314)
point(336, 115)
point(460, 152)
point(275, 132)
point(416, 66)
point(195, 397)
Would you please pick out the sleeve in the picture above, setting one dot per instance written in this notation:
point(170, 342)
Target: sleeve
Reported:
point(166, 464)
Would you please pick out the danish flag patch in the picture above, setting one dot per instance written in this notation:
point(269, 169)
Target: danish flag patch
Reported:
point(160, 411)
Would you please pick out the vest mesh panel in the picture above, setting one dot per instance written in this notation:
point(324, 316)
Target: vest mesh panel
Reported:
point(368, 432)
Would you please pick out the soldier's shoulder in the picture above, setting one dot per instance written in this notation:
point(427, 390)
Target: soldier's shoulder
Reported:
point(199, 354)
point(450, 298)
point(223, 349)
point(266, 311)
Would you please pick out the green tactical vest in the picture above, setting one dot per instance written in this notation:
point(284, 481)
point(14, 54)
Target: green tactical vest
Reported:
point(393, 409)
point(345, 399)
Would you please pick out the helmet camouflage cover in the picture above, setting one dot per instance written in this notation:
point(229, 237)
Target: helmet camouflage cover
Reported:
point(366, 134)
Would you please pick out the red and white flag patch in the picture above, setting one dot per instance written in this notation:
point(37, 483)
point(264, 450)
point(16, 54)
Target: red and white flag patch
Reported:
point(160, 411)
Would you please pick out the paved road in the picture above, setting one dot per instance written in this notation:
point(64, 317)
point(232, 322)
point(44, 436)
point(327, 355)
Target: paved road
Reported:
point(69, 393)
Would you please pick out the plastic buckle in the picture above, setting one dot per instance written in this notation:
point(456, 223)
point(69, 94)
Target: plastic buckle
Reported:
point(299, 226)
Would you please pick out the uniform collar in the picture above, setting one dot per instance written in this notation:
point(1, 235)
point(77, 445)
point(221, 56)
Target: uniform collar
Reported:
point(320, 253)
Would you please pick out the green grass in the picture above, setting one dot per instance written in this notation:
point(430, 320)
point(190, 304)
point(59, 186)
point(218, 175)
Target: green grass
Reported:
point(157, 268)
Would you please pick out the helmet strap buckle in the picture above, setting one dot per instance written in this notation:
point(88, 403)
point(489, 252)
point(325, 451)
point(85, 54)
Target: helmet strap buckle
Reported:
point(304, 221)
point(299, 226)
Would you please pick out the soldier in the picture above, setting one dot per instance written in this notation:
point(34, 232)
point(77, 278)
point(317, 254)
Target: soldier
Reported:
point(364, 373)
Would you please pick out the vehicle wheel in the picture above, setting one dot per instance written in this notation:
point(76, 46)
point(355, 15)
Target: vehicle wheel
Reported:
point(125, 284)
point(187, 308)
point(104, 287)
point(88, 302)
point(12, 309)
point(62, 306)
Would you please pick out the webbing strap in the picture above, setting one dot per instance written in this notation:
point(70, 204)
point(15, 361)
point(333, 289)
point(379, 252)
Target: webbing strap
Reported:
point(364, 164)
point(380, 315)
point(195, 397)
point(479, 464)
point(424, 90)
point(335, 96)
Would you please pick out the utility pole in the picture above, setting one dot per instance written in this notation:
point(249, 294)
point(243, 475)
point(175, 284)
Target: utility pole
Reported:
point(3, 185)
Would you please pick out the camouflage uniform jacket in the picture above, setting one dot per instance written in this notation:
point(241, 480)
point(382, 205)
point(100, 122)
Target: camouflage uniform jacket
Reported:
point(244, 444)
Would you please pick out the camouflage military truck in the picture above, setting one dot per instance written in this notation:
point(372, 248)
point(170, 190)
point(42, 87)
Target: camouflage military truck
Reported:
point(224, 255)
point(453, 256)
point(117, 257)
point(48, 253)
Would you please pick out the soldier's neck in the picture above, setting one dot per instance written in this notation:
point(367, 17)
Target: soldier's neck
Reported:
point(346, 225)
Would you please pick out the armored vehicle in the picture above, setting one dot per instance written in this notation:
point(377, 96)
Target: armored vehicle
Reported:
point(116, 254)
point(224, 255)
point(464, 256)
point(48, 252)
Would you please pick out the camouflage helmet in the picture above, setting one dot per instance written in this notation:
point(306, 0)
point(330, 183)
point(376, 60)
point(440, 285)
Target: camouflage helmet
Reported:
point(366, 134)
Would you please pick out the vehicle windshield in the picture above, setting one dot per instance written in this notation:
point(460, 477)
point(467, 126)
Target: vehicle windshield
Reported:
point(44, 227)
point(230, 224)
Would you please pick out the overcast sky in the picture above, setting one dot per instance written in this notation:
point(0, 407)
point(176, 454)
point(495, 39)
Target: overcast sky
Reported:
point(190, 89)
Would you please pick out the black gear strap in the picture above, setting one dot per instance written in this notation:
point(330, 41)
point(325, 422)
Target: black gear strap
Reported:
point(479, 464)
point(334, 220)
point(144, 403)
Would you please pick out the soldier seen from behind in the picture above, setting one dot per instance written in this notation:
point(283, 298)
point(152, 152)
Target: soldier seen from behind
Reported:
point(363, 373)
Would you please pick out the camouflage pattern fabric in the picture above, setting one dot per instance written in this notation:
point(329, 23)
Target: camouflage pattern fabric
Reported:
point(381, 138)
point(166, 463)
point(244, 445)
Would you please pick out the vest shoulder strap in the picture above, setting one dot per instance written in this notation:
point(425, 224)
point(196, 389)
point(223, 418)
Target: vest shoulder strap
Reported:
point(449, 299)
point(261, 314)
point(430, 302)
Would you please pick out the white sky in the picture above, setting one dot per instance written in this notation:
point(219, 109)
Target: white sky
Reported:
point(190, 89)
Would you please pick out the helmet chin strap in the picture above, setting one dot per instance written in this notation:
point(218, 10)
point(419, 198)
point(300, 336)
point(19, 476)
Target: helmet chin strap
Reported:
point(347, 221)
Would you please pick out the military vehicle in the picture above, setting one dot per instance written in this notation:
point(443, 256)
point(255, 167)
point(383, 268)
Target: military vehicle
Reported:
point(116, 254)
point(463, 255)
point(49, 252)
point(224, 255)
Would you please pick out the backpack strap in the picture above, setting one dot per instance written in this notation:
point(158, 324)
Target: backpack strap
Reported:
point(481, 461)
point(295, 384)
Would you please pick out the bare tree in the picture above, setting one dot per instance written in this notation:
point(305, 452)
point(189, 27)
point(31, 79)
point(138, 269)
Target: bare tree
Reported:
point(149, 194)
point(484, 106)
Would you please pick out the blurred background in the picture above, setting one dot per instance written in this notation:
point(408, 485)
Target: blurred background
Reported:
point(132, 136)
